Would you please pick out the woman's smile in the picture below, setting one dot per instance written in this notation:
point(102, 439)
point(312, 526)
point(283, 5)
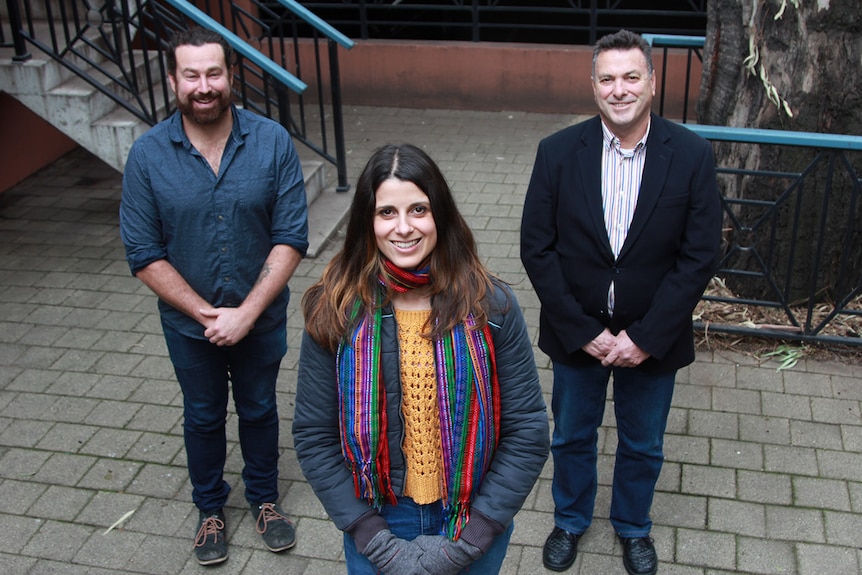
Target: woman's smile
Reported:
point(403, 223)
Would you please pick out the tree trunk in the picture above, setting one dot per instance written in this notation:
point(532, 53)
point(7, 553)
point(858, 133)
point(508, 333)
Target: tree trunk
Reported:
point(812, 55)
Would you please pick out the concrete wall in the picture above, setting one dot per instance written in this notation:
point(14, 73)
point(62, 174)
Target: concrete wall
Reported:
point(27, 142)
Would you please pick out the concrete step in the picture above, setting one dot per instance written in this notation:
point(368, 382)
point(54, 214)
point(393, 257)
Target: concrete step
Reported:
point(74, 106)
point(325, 216)
point(89, 47)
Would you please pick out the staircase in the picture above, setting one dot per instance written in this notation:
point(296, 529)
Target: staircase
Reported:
point(100, 125)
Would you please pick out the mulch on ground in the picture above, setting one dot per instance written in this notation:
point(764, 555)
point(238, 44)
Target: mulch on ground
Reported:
point(775, 348)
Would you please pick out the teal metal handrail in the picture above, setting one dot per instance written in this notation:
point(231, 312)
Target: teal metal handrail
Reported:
point(674, 41)
point(779, 137)
point(793, 234)
point(321, 26)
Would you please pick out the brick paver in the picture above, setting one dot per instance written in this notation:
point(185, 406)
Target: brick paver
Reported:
point(763, 472)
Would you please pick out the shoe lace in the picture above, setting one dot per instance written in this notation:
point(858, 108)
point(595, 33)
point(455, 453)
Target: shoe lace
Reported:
point(641, 547)
point(211, 526)
point(268, 513)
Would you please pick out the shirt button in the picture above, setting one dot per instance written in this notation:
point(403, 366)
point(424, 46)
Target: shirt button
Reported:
point(220, 218)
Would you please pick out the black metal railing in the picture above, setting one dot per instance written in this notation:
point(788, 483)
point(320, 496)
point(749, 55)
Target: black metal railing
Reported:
point(556, 22)
point(276, 35)
point(119, 50)
point(792, 235)
point(693, 46)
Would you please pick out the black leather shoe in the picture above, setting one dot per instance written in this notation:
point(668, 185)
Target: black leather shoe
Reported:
point(639, 556)
point(561, 549)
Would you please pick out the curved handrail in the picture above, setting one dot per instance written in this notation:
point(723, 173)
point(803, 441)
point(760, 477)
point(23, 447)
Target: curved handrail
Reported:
point(241, 46)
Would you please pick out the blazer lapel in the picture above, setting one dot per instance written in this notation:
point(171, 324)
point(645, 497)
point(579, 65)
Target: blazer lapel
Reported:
point(589, 159)
point(656, 166)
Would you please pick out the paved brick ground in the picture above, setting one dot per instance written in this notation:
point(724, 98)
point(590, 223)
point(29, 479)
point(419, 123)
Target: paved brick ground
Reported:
point(763, 472)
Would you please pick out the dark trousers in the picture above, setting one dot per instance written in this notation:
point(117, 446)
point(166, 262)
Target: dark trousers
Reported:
point(206, 373)
point(641, 403)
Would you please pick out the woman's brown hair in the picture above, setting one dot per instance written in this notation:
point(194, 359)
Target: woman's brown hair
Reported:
point(459, 281)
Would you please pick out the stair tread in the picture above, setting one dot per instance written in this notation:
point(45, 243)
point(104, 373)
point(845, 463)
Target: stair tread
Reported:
point(325, 216)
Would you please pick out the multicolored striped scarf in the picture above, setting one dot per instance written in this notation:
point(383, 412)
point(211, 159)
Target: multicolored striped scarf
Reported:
point(469, 405)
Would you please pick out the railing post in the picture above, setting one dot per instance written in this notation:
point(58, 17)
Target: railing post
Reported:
point(21, 53)
point(337, 118)
point(664, 84)
point(363, 20)
point(283, 105)
point(687, 82)
point(475, 20)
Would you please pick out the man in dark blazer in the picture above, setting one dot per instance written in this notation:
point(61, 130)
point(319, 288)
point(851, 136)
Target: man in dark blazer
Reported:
point(620, 235)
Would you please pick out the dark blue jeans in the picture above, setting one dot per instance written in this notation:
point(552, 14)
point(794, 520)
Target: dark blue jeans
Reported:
point(408, 520)
point(205, 373)
point(641, 405)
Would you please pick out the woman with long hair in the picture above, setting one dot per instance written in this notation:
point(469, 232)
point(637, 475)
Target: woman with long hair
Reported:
point(419, 420)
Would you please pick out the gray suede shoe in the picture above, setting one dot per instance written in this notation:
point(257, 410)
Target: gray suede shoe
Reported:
point(210, 544)
point(275, 528)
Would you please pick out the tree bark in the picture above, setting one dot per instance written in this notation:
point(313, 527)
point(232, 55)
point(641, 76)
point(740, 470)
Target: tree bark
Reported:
point(813, 56)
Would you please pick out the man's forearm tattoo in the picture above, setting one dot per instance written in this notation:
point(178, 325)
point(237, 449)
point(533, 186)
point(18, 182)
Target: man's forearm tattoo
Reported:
point(267, 269)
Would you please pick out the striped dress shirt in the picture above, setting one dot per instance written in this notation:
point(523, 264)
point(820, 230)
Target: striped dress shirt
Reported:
point(622, 171)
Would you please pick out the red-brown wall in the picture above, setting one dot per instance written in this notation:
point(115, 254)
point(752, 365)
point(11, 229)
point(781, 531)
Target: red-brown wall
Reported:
point(444, 75)
point(27, 142)
point(485, 76)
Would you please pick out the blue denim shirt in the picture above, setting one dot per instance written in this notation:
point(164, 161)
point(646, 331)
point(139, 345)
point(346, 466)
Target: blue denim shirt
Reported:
point(216, 230)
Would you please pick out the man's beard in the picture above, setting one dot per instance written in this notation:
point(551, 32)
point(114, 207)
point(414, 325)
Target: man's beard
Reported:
point(208, 116)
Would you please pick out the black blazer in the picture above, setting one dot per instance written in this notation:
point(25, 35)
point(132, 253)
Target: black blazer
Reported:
point(668, 257)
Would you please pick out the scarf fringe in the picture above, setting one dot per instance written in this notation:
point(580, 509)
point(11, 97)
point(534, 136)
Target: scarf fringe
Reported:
point(455, 518)
point(372, 486)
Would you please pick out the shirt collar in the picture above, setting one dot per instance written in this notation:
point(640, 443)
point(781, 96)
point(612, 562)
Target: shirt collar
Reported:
point(610, 141)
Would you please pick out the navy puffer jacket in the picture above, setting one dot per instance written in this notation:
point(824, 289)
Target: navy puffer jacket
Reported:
point(520, 456)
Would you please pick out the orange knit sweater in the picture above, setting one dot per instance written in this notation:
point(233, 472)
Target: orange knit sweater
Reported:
point(424, 481)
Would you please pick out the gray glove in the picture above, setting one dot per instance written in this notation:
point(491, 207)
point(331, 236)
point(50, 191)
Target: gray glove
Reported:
point(441, 556)
point(394, 556)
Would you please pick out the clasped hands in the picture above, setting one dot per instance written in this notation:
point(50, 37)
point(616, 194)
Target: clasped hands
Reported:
point(616, 350)
point(225, 326)
point(425, 555)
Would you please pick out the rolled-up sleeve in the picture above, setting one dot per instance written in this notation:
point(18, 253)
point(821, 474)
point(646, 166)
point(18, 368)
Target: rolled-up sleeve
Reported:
point(140, 223)
point(290, 214)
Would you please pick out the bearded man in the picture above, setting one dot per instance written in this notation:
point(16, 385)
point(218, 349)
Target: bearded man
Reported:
point(214, 221)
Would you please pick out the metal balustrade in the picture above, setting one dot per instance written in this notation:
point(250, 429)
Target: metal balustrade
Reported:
point(118, 48)
point(692, 45)
point(557, 22)
point(792, 233)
